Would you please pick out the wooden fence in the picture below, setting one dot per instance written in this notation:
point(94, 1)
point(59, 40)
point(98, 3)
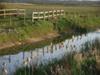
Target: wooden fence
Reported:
point(12, 12)
point(35, 14)
point(46, 14)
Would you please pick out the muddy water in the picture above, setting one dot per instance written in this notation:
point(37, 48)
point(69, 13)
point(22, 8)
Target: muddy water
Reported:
point(47, 53)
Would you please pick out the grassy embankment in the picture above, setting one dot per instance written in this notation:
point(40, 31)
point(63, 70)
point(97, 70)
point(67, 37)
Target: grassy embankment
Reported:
point(76, 19)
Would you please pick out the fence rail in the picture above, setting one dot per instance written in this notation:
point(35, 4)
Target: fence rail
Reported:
point(12, 12)
point(47, 14)
point(35, 14)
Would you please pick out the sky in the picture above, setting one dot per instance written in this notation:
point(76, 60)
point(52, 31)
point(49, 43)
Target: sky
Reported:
point(52, 0)
point(41, 0)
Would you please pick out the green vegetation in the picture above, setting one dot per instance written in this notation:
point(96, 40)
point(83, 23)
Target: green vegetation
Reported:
point(68, 65)
point(65, 66)
point(76, 20)
point(87, 21)
point(18, 31)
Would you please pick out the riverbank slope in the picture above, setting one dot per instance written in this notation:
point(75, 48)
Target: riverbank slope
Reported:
point(76, 20)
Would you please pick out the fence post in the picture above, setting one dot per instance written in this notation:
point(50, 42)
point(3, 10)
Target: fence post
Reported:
point(44, 15)
point(38, 14)
point(24, 16)
point(10, 20)
point(4, 13)
point(63, 13)
point(53, 14)
point(56, 12)
point(60, 12)
point(33, 17)
point(47, 14)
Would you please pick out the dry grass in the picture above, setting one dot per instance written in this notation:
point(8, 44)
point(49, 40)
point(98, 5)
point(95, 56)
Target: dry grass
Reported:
point(51, 6)
point(30, 6)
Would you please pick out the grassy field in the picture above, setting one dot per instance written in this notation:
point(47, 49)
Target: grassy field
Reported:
point(72, 9)
point(76, 19)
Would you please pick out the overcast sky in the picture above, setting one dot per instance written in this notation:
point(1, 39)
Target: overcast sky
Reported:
point(41, 0)
point(51, 0)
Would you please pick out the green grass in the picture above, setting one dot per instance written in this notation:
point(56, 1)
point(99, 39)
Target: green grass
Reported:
point(68, 23)
point(28, 30)
point(90, 21)
point(76, 19)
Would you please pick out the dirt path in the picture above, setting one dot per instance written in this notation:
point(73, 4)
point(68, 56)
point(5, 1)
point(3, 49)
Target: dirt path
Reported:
point(29, 41)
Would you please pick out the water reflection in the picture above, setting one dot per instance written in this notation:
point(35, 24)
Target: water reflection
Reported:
point(47, 53)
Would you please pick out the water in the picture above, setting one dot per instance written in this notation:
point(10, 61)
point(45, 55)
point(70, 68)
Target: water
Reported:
point(47, 53)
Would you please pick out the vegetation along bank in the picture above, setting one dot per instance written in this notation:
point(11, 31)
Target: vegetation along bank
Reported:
point(13, 30)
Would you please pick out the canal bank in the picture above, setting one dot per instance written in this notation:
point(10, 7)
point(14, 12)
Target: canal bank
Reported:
point(39, 31)
point(22, 53)
point(48, 53)
point(33, 33)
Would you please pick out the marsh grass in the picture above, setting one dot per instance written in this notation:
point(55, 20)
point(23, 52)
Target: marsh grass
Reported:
point(68, 64)
point(76, 19)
